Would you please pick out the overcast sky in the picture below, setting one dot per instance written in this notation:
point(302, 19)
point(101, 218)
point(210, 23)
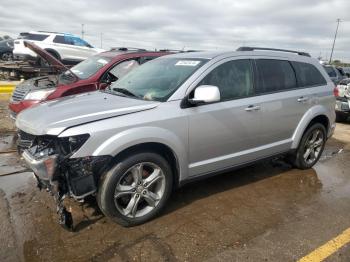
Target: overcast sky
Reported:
point(307, 25)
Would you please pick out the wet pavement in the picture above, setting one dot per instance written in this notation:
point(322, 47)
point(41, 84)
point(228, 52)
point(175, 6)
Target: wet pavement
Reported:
point(265, 212)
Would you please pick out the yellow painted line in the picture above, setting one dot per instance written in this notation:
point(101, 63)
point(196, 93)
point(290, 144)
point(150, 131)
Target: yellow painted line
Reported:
point(329, 248)
point(6, 88)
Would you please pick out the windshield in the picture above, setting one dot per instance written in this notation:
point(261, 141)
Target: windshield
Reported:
point(158, 79)
point(90, 66)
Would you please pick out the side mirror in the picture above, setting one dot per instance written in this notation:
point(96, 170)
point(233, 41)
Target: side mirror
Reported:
point(205, 94)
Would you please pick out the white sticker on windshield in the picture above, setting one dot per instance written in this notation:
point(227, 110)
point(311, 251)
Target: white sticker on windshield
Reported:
point(102, 61)
point(187, 63)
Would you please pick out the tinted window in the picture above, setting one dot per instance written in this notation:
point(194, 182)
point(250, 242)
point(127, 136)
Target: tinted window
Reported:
point(308, 75)
point(233, 78)
point(59, 39)
point(340, 70)
point(274, 76)
point(35, 37)
point(330, 71)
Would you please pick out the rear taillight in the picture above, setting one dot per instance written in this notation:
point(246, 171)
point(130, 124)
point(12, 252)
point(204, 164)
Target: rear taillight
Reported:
point(336, 91)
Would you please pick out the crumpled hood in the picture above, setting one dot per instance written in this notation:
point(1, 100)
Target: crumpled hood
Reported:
point(53, 117)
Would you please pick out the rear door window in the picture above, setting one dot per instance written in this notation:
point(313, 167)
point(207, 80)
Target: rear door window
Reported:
point(35, 37)
point(308, 75)
point(274, 76)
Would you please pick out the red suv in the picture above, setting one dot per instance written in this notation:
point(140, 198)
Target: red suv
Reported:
point(96, 72)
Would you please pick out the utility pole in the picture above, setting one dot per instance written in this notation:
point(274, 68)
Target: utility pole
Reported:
point(82, 31)
point(335, 37)
point(101, 40)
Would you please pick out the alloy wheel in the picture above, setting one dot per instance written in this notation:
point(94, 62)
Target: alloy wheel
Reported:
point(139, 190)
point(313, 146)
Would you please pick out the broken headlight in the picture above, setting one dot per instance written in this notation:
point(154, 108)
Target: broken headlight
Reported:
point(39, 94)
point(71, 144)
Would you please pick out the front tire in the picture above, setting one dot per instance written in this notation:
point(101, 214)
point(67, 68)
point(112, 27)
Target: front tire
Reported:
point(135, 189)
point(310, 148)
point(7, 56)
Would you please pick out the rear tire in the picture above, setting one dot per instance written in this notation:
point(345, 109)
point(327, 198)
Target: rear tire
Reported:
point(310, 148)
point(135, 189)
point(54, 54)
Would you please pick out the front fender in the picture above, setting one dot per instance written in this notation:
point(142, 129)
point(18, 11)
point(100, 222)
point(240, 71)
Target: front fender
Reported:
point(139, 135)
point(317, 110)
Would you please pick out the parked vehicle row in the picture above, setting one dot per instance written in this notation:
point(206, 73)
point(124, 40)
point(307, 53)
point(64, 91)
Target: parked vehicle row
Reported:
point(177, 118)
point(335, 73)
point(342, 106)
point(95, 73)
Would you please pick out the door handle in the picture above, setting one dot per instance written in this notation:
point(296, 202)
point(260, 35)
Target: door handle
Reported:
point(302, 99)
point(252, 108)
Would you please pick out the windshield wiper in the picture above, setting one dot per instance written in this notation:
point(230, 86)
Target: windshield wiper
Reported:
point(125, 92)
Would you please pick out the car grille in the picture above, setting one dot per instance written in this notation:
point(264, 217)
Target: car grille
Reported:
point(18, 94)
point(25, 140)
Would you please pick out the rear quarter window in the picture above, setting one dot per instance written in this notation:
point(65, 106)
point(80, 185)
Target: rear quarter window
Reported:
point(308, 75)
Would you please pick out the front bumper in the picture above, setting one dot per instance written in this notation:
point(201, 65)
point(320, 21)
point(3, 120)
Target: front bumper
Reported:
point(44, 167)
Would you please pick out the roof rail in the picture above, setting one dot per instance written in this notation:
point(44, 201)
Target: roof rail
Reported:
point(50, 32)
point(176, 50)
point(248, 48)
point(127, 49)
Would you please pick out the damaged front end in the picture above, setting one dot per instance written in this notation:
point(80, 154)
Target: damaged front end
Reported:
point(50, 159)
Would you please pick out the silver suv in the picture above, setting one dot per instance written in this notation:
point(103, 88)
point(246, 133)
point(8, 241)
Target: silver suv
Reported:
point(176, 119)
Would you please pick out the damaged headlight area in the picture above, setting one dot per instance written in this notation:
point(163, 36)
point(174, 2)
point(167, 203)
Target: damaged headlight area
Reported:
point(50, 158)
point(69, 145)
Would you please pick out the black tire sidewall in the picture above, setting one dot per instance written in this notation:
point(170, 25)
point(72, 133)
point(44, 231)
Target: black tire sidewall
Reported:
point(300, 162)
point(105, 196)
point(54, 54)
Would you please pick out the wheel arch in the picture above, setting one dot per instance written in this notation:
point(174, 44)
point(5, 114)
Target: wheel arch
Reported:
point(154, 147)
point(156, 139)
point(315, 115)
point(53, 52)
